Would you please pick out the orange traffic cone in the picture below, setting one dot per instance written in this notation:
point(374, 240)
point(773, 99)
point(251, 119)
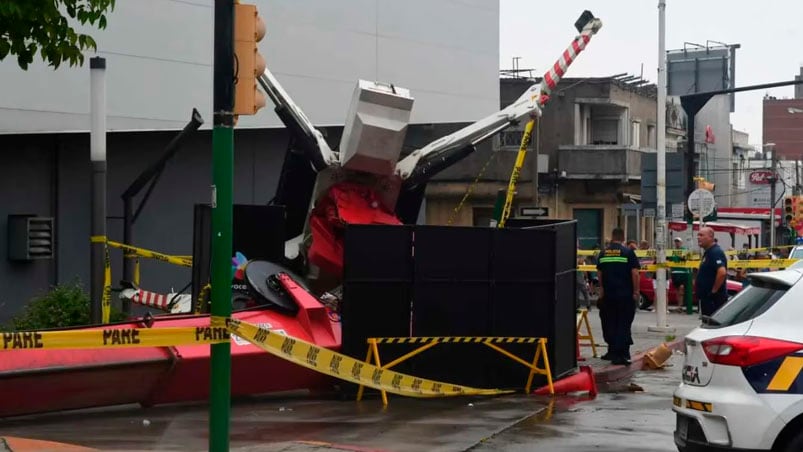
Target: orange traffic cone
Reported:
point(582, 381)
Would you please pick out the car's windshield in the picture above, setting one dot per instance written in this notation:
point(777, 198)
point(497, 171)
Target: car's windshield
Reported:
point(751, 302)
point(797, 253)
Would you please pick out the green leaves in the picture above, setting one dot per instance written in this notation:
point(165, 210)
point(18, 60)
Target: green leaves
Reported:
point(28, 27)
point(65, 305)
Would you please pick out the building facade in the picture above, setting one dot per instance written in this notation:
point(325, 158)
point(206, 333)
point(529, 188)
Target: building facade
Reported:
point(445, 52)
point(589, 142)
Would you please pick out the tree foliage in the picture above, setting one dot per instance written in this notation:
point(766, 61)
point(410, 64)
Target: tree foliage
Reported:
point(46, 27)
point(63, 306)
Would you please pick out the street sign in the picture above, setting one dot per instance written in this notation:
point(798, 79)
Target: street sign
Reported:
point(534, 211)
point(678, 210)
point(701, 203)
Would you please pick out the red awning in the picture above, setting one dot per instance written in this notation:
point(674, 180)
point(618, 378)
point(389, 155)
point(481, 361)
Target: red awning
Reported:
point(730, 228)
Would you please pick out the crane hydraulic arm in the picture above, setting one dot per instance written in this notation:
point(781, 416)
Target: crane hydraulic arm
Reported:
point(587, 26)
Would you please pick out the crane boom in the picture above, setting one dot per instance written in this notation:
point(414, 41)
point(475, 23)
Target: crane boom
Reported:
point(447, 150)
point(587, 25)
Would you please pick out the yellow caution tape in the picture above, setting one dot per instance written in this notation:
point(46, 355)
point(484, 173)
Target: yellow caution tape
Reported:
point(684, 252)
point(740, 264)
point(762, 263)
point(106, 300)
point(291, 349)
point(345, 367)
point(183, 261)
point(113, 338)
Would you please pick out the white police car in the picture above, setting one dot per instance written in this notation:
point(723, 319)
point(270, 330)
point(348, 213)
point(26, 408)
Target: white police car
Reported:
point(742, 385)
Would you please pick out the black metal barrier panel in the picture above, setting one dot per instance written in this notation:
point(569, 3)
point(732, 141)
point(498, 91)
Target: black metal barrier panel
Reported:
point(257, 232)
point(462, 281)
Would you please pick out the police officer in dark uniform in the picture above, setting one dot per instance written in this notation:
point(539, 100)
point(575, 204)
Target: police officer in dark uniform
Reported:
point(710, 284)
point(618, 272)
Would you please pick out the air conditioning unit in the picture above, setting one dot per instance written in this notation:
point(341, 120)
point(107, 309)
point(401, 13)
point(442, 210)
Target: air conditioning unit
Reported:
point(30, 237)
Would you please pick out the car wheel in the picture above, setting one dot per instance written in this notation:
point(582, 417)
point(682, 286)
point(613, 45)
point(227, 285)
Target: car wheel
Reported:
point(795, 444)
point(643, 303)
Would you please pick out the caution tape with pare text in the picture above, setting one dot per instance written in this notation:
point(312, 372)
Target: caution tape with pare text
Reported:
point(221, 329)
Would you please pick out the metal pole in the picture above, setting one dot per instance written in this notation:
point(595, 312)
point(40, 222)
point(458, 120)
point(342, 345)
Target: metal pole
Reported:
point(223, 185)
point(774, 179)
point(556, 199)
point(128, 239)
point(662, 321)
point(97, 155)
point(535, 161)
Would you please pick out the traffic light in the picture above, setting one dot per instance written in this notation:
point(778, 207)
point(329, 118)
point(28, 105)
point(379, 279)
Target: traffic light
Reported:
point(789, 214)
point(249, 29)
point(798, 212)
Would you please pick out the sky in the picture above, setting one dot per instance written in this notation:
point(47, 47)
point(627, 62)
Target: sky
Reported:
point(768, 31)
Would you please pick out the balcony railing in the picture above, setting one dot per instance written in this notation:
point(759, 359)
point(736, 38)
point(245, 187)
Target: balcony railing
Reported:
point(614, 162)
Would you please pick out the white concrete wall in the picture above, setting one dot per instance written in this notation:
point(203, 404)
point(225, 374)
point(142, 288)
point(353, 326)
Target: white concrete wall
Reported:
point(159, 58)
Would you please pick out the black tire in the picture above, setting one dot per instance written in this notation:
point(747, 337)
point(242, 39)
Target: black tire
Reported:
point(795, 444)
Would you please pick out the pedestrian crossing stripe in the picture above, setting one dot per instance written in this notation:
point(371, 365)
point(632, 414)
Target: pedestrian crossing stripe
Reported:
point(457, 340)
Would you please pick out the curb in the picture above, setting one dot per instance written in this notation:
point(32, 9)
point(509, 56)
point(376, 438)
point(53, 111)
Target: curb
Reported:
point(616, 372)
point(15, 444)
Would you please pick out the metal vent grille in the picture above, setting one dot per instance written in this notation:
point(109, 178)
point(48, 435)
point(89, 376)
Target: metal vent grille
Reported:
point(30, 237)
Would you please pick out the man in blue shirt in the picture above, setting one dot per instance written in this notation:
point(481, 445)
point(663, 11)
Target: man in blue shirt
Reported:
point(710, 284)
point(618, 272)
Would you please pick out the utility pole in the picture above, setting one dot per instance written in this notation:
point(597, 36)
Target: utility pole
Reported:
point(773, 182)
point(662, 321)
point(222, 192)
point(97, 154)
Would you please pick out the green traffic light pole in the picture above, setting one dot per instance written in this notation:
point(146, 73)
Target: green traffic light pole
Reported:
point(222, 180)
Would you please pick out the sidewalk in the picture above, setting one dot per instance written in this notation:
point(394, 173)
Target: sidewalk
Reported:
point(643, 341)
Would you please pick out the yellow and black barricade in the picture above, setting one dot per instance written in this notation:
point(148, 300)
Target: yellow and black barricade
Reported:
point(587, 335)
point(490, 341)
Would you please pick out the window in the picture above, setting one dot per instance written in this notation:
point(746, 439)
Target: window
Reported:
point(631, 222)
point(652, 140)
point(482, 216)
point(635, 131)
point(604, 131)
point(735, 175)
point(510, 140)
point(751, 302)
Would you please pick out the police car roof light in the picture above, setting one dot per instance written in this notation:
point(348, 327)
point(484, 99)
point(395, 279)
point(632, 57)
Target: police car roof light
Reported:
point(745, 351)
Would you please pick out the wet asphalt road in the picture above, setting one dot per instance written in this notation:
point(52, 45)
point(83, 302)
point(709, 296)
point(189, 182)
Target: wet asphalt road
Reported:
point(620, 420)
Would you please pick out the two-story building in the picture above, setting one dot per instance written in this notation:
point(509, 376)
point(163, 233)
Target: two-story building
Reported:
point(590, 140)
